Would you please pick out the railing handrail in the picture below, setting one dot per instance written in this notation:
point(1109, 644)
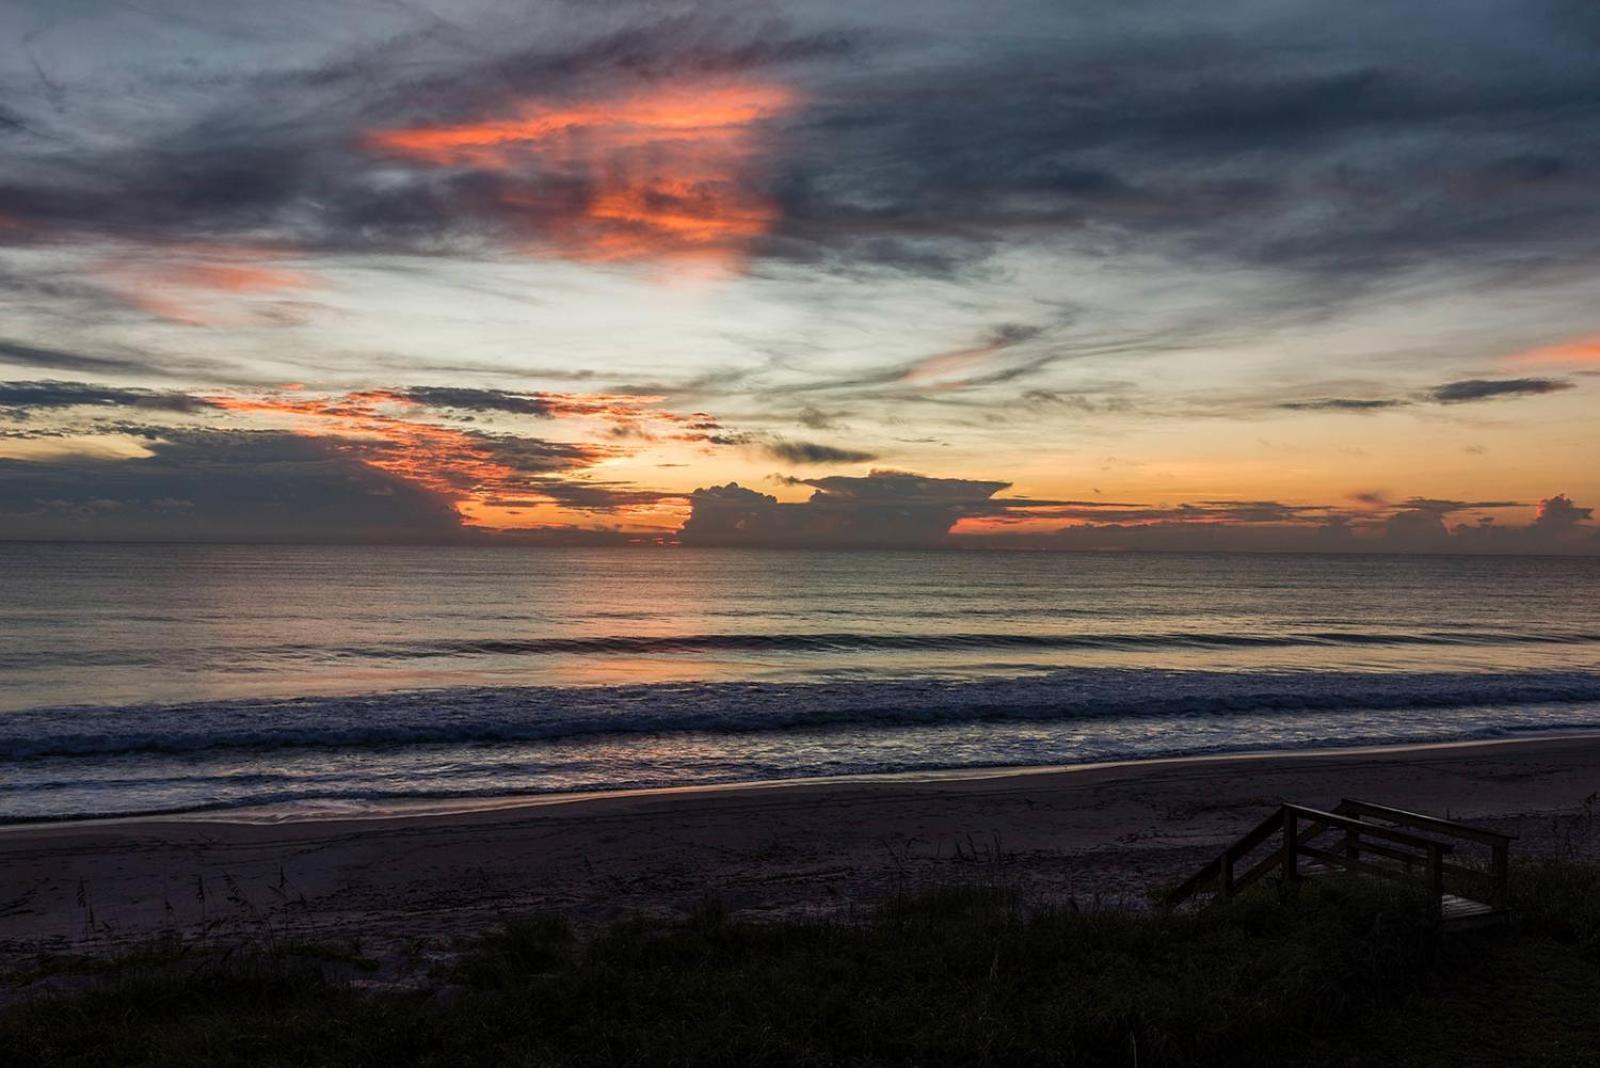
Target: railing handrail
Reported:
point(1256, 835)
point(1418, 820)
point(1301, 825)
point(1350, 823)
point(1213, 869)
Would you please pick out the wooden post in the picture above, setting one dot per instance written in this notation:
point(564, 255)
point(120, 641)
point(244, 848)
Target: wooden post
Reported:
point(1352, 844)
point(1291, 848)
point(1436, 879)
point(1500, 870)
point(1227, 872)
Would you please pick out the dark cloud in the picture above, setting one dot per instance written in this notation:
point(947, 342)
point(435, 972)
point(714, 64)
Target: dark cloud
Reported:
point(886, 509)
point(587, 496)
point(1232, 512)
point(216, 485)
point(1465, 391)
point(460, 459)
point(1416, 530)
point(1343, 404)
point(1560, 526)
point(1219, 146)
point(1476, 389)
point(1436, 506)
point(481, 400)
point(20, 398)
point(1417, 525)
point(236, 169)
point(1391, 142)
point(810, 452)
point(1559, 513)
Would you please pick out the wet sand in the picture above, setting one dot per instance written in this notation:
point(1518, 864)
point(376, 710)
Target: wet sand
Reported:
point(1115, 832)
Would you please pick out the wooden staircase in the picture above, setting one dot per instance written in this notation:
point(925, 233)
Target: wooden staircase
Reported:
point(1375, 840)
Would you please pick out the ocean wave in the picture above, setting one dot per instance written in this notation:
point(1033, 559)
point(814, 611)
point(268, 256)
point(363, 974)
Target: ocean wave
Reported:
point(547, 713)
point(823, 643)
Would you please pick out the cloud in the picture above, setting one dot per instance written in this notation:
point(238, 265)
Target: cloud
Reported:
point(1477, 389)
point(983, 364)
point(18, 354)
point(1212, 512)
point(206, 284)
point(1416, 525)
point(221, 485)
point(1559, 526)
point(1286, 146)
point(1343, 404)
point(1558, 513)
point(971, 366)
point(813, 418)
point(808, 452)
point(463, 398)
point(417, 433)
point(661, 169)
point(885, 509)
point(1437, 506)
point(631, 411)
point(577, 140)
point(1465, 391)
point(460, 445)
point(1095, 184)
point(1416, 530)
point(20, 398)
point(586, 496)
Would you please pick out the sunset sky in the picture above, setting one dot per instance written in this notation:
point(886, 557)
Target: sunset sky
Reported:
point(1252, 274)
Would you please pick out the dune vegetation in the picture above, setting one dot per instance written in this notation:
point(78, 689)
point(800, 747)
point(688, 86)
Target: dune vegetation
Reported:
point(1342, 973)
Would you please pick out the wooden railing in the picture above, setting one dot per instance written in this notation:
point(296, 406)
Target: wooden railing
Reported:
point(1390, 849)
point(1495, 880)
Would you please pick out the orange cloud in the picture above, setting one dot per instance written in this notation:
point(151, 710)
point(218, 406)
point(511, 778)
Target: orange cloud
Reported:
point(955, 364)
point(237, 278)
point(456, 464)
point(199, 285)
point(1579, 352)
point(474, 470)
point(665, 173)
point(955, 368)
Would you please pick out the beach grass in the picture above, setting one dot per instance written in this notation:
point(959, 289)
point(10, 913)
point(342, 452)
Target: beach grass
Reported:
point(1343, 973)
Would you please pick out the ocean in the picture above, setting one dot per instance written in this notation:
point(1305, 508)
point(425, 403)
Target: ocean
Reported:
point(284, 681)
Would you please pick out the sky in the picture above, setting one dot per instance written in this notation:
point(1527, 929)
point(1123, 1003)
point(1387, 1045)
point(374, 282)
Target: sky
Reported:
point(1077, 274)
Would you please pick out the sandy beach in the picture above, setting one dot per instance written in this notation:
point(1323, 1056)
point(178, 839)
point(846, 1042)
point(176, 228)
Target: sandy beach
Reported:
point(1111, 831)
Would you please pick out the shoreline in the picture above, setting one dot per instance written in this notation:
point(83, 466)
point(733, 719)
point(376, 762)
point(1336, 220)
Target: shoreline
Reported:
point(1110, 832)
point(430, 808)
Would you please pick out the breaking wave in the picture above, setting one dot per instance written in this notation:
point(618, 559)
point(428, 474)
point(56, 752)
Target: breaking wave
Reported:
point(549, 713)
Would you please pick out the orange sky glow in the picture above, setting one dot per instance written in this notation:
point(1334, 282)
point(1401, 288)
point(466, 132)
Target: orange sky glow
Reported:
point(1579, 352)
